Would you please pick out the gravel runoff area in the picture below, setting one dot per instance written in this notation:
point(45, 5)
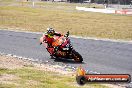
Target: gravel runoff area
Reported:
point(11, 62)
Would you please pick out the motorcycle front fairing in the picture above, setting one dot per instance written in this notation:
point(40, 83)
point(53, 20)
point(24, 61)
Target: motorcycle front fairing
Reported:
point(67, 48)
point(66, 45)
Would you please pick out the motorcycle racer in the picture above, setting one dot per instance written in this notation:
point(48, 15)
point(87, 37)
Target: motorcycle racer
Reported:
point(48, 38)
point(59, 46)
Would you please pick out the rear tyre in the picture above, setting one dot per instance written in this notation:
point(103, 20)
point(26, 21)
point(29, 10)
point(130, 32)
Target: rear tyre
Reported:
point(76, 56)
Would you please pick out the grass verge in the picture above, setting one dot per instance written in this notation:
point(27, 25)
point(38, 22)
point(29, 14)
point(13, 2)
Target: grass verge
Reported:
point(26, 76)
point(64, 17)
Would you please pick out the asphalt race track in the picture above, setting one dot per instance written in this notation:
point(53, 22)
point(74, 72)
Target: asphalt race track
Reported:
point(99, 56)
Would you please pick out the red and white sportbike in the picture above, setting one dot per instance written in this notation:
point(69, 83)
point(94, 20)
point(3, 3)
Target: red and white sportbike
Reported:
point(65, 49)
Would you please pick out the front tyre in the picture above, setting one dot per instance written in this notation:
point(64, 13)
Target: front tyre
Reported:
point(76, 56)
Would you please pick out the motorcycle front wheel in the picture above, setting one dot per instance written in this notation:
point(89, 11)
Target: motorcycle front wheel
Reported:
point(76, 56)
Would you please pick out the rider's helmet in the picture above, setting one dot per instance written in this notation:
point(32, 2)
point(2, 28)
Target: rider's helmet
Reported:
point(50, 32)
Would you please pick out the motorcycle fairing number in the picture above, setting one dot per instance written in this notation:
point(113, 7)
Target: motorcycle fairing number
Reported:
point(65, 48)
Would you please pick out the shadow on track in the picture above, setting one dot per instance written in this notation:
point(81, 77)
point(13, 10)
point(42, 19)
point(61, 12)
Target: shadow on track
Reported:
point(67, 61)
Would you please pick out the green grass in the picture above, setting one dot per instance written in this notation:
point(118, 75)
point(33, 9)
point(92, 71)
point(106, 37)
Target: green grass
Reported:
point(28, 77)
point(7, 86)
point(64, 17)
point(6, 2)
